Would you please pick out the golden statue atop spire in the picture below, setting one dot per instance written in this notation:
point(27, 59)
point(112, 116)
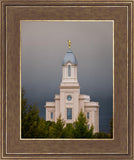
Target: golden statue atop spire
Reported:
point(69, 44)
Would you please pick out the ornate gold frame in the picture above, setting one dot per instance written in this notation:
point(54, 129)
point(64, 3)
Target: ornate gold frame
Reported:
point(12, 12)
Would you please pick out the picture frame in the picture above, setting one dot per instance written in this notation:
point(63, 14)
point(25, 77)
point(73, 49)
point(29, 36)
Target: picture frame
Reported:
point(122, 144)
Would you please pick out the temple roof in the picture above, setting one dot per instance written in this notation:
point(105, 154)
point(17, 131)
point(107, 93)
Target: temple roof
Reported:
point(70, 57)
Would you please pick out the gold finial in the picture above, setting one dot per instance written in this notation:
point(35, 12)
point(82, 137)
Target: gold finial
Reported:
point(69, 43)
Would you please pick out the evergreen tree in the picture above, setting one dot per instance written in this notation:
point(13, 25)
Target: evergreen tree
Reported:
point(90, 132)
point(30, 119)
point(56, 129)
point(68, 131)
point(101, 135)
point(24, 107)
point(80, 127)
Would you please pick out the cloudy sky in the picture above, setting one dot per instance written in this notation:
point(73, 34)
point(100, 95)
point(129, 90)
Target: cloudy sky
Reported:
point(43, 46)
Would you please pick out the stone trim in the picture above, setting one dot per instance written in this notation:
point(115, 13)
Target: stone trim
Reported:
point(50, 106)
point(57, 98)
point(92, 106)
point(69, 87)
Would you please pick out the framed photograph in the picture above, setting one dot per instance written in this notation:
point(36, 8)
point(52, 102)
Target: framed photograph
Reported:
point(67, 79)
point(63, 67)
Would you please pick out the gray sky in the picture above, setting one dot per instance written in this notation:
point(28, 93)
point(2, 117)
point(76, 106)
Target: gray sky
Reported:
point(43, 46)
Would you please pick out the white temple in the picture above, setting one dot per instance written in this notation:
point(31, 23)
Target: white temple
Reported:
point(69, 102)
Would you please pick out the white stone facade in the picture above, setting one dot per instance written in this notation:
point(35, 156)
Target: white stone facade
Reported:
point(70, 102)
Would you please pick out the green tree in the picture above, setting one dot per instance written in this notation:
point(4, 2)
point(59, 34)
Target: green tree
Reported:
point(24, 107)
point(101, 135)
point(68, 131)
point(30, 119)
point(42, 129)
point(56, 129)
point(80, 127)
point(30, 122)
point(90, 132)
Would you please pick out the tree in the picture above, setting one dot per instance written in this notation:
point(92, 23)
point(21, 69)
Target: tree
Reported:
point(30, 123)
point(23, 111)
point(101, 135)
point(68, 131)
point(90, 132)
point(80, 127)
point(56, 129)
point(30, 119)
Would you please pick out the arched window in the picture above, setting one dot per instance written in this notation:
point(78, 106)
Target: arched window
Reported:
point(69, 71)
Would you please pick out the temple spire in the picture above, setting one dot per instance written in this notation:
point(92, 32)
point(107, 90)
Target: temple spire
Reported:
point(69, 44)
